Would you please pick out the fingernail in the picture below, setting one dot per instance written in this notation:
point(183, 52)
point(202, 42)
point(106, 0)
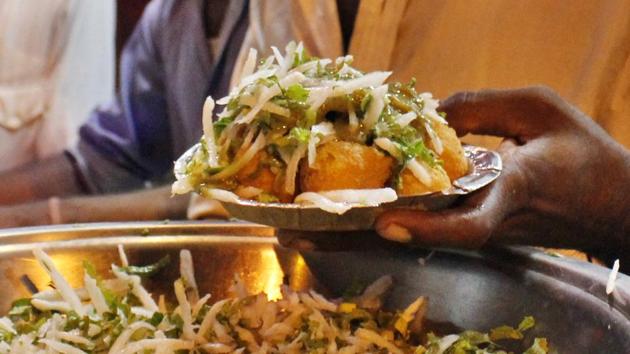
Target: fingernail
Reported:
point(397, 233)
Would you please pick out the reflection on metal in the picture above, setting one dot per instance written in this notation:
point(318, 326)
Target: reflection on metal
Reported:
point(271, 274)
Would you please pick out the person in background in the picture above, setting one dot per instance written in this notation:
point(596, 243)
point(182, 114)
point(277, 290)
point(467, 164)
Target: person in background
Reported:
point(56, 64)
point(183, 51)
point(180, 52)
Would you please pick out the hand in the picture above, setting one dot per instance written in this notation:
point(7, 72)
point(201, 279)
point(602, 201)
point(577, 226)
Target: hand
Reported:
point(565, 182)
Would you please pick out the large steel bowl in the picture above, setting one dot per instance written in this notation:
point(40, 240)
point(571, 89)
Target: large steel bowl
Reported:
point(466, 289)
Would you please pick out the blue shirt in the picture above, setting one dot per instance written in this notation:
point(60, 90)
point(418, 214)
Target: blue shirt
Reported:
point(166, 72)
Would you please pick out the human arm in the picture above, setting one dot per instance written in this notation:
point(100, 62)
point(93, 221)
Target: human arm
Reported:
point(54, 176)
point(565, 182)
point(149, 204)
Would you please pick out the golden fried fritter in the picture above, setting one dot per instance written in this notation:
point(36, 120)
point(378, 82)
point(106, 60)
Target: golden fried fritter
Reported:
point(346, 165)
point(412, 186)
point(455, 162)
point(259, 175)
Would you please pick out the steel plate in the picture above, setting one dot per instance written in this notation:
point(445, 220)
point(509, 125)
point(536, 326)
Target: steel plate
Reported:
point(465, 289)
point(485, 167)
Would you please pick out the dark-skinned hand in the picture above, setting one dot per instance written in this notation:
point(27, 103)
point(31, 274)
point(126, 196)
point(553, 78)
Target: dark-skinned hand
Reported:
point(565, 182)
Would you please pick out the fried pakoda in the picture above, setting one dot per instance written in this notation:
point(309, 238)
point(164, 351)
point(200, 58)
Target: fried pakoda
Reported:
point(452, 156)
point(410, 185)
point(259, 175)
point(346, 165)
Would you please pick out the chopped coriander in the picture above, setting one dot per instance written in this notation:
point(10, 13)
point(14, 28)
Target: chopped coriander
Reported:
point(297, 92)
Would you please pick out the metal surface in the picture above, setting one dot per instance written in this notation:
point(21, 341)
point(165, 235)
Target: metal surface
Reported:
point(486, 166)
point(465, 289)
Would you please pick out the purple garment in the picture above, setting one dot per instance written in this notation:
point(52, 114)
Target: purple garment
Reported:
point(166, 73)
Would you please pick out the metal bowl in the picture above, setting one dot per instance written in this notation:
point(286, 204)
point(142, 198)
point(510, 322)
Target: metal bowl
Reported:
point(485, 167)
point(465, 289)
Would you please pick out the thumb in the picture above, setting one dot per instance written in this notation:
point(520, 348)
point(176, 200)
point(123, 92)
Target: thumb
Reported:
point(520, 114)
point(467, 226)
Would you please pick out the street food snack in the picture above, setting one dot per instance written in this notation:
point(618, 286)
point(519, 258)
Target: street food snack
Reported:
point(297, 126)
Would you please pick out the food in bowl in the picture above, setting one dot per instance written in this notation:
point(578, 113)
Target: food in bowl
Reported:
point(118, 315)
point(316, 131)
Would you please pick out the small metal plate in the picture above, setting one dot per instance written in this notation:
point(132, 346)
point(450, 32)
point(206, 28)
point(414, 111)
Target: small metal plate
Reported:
point(465, 289)
point(485, 167)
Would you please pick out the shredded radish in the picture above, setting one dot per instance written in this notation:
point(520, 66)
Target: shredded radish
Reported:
point(187, 271)
point(233, 169)
point(318, 133)
point(612, 277)
point(312, 65)
point(221, 195)
point(48, 294)
point(373, 79)
point(287, 61)
point(124, 262)
point(249, 137)
point(137, 289)
point(348, 70)
point(391, 147)
point(96, 295)
point(430, 107)
point(278, 56)
point(340, 201)
point(248, 192)
point(173, 345)
point(246, 81)
point(446, 342)
point(353, 121)
point(185, 310)
point(209, 320)
point(318, 200)
point(160, 350)
point(208, 132)
point(70, 337)
point(436, 142)
point(376, 106)
point(292, 169)
point(368, 197)
point(420, 171)
point(124, 337)
point(61, 347)
point(181, 186)
point(6, 325)
point(317, 96)
point(270, 107)
point(217, 348)
point(141, 311)
point(268, 93)
point(197, 307)
point(249, 65)
point(66, 291)
point(404, 119)
point(377, 339)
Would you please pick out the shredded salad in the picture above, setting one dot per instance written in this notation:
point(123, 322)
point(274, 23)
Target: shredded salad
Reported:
point(287, 106)
point(118, 315)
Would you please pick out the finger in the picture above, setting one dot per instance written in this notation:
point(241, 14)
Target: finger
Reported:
point(520, 113)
